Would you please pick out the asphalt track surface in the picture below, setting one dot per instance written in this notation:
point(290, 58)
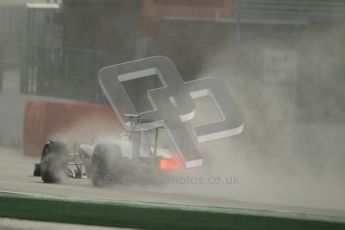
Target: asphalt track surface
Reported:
point(16, 178)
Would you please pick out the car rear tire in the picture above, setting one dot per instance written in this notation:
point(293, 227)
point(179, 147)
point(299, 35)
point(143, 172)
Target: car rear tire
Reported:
point(105, 162)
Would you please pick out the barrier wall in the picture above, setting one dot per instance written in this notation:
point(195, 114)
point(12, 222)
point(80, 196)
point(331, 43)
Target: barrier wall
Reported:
point(71, 122)
point(155, 10)
point(11, 118)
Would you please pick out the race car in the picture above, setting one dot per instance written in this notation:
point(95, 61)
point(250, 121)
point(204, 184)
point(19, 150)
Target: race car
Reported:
point(130, 159)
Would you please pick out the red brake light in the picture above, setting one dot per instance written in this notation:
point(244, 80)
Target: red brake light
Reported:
point(170, 163)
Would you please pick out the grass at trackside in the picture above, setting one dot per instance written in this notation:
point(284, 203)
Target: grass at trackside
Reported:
point(121, 215)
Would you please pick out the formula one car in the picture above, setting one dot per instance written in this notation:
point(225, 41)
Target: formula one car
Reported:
point(132, 158)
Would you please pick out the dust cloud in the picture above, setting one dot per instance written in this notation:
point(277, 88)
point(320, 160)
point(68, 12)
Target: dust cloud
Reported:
point(292, 149)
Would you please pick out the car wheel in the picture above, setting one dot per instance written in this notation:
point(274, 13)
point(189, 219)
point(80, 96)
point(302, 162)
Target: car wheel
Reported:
point(54, 162)
point(104, 164)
